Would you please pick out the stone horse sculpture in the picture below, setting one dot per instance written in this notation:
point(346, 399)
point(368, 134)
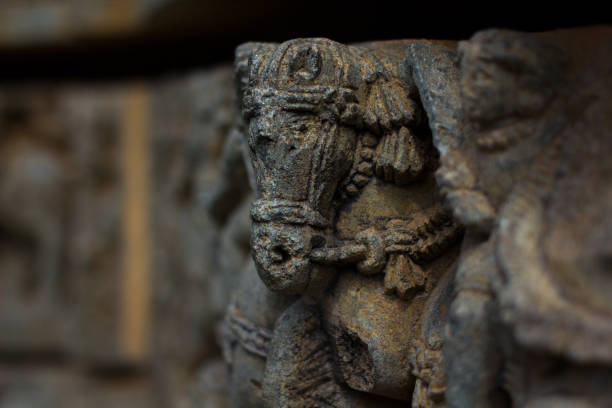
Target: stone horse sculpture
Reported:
point(344, 165)
point(518, 130)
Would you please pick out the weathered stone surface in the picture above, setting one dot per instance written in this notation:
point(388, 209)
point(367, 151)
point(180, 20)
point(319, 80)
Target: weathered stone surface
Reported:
point(327, 122)
point(536, 122)
point(344, 141)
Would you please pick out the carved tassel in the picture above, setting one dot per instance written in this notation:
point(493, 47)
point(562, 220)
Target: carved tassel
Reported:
point(400, 157)
point(403, 276)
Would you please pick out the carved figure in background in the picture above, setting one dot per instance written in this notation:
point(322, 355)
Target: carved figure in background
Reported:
point(343, 159)
point(530, 181)
point(34, 202)
point(36, 177)
point(344, 165)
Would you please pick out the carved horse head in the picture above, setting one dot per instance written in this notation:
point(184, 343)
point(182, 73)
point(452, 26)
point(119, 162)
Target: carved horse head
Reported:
point(315, 111)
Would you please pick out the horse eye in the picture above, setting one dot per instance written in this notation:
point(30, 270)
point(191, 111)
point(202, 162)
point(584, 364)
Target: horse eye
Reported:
point(258, 133)
point(263, 137)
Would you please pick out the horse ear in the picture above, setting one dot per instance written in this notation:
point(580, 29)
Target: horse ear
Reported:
point(245, 55)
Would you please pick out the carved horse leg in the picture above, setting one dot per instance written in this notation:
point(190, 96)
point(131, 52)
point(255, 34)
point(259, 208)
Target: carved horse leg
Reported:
point(300, 370)
point(471, 355)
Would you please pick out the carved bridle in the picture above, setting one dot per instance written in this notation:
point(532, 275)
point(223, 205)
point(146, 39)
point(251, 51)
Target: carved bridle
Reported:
point(339, 103)
point(287, 212)
point(421, 242)
point(370, 248)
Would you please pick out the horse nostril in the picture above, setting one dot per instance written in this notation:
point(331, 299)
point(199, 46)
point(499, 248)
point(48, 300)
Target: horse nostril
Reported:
point(317, 241)
point(279, 255)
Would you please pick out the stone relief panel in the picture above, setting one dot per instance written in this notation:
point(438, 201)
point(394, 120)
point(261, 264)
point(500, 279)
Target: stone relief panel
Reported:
point(534, 193)
point(432, 217)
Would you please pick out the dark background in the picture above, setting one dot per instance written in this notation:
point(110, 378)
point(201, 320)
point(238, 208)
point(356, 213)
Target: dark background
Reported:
point(181, 35)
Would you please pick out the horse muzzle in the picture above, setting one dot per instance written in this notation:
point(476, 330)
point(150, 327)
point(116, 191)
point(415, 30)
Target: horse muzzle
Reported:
point(282, 239)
